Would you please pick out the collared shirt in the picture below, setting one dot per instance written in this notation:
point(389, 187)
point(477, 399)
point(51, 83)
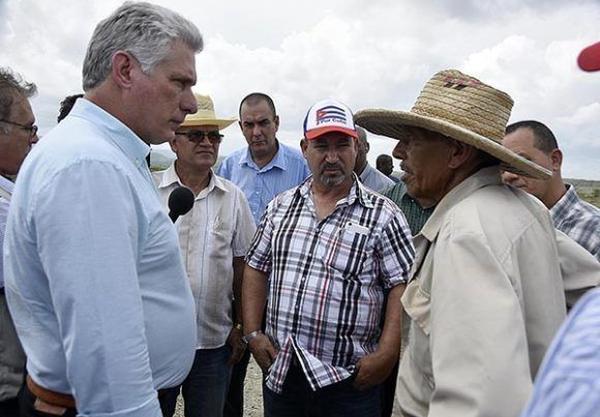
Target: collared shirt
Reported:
point(287, 169)
point(328, 278)
point(374, 179)
point(6, 189)
point(568, 381)
point(416, 216)
point(94, 277)
point(579, 220)
point(218, 228)
point(485, 299)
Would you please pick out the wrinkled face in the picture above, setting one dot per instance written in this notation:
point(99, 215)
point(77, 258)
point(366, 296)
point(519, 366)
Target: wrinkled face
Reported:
point(425, 158)
point(330, 158)
point(164, 97)
point(196, 147)
point(259, 127)
point(16, 141)
point(522, 142)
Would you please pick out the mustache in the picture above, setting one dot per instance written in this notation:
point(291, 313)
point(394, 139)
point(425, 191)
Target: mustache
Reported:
point(328, 165)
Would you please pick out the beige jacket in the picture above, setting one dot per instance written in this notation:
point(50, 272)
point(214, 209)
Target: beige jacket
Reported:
point(485, 300)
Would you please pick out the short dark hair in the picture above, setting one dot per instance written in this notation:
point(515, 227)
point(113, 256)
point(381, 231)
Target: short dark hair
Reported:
point(544, 139)
point(382, 159)
point(254, 98)
point(12, 84)
point(66, 105)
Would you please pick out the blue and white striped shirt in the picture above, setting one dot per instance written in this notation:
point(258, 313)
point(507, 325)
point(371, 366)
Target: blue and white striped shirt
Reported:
point(568, 384)
point(579, 220)
point(286, 170)
point(7, 186)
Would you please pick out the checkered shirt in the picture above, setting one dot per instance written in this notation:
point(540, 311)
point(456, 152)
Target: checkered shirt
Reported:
point(328, 279)
point(579, 220)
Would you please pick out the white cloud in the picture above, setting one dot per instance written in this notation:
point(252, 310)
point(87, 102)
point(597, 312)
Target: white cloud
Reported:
point(366, 53)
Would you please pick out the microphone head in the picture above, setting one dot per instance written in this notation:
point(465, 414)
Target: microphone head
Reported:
point(181, 200)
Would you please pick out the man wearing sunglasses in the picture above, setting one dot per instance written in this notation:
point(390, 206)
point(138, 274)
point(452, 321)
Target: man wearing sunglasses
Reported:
point(17, 134)
point(214, 237)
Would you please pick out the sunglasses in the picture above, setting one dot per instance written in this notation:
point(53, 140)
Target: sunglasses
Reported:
point(197, 136)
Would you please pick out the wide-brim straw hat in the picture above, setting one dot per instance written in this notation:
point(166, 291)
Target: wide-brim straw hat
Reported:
point(461, 107)
point(205, 116)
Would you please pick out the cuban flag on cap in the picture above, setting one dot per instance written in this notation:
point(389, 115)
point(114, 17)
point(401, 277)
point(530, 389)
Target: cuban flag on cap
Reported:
point(328, 116)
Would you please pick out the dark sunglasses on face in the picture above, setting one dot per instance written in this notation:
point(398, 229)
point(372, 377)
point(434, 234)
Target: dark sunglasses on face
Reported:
point(197, 136)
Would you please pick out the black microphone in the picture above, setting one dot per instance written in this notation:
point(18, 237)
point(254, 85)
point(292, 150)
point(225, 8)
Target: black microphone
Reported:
point(181, 200)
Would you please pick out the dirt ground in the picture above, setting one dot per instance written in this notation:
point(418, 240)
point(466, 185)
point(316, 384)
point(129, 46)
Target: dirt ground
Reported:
point(253, 404)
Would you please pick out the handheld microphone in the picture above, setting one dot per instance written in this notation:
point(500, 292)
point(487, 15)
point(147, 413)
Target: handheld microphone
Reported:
point(181, 200)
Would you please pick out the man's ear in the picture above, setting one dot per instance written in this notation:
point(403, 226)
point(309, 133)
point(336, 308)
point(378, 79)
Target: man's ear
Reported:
point(276, 120)
point(303, 145)
point(173, 144)
point(556, 158)
point(124, 66)
point(459, 153)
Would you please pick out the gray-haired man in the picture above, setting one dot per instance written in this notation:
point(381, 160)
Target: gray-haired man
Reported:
point(94, 277)
point(17, 134)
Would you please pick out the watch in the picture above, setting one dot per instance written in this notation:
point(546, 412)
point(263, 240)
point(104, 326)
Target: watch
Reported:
point(248, 338)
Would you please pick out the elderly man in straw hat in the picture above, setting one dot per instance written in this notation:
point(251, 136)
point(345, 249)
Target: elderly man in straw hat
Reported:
point(213, 237)
point(485, 296)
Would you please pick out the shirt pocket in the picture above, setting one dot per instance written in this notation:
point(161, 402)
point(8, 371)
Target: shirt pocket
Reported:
point(221, 236)
point(348, 252)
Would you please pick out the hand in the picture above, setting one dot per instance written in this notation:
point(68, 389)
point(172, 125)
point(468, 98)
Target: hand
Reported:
point(238, 347)
point(263, 351)
point(373, 369)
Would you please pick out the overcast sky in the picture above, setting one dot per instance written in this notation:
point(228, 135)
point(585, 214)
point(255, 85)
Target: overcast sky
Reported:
point(366, 53)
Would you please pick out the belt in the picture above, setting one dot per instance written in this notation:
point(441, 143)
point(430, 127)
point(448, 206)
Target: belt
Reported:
point(51, 397)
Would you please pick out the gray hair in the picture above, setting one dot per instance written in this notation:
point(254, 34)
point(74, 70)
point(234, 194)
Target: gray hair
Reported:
point(144, 30)
point(12, 84)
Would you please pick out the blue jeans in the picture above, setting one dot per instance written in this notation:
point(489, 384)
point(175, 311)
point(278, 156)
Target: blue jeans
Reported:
point(337, 400)
point(205, 387)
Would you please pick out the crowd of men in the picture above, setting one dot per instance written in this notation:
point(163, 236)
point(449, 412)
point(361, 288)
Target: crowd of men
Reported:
point(353, 290)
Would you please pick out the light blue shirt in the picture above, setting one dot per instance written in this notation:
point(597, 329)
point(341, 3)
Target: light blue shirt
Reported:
point(286, 170)
point(568, 383)
point(94, 276)
point(6, 187)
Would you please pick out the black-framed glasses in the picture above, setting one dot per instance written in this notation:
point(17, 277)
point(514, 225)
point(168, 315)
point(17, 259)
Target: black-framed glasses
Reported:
point(197, 136)
point(31, 129)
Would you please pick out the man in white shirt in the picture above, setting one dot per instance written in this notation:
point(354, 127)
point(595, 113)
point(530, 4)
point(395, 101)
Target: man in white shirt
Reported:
point(213, 237)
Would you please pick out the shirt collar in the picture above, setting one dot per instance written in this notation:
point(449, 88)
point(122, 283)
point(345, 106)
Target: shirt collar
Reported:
point(278, 161)
point(357, 192)
point(483, 177)
point(119, 134)
point(170, 177)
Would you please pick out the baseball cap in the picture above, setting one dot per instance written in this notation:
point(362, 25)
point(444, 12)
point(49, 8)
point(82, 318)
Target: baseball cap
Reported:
point(589, 58)
point(328, 116)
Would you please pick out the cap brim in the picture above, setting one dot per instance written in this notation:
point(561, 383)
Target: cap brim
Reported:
point(393, 124)
point(589, 58)
point(315, 133)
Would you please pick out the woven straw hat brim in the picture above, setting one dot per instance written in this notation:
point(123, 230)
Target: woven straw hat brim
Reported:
point(393, 123)
point(220, 123)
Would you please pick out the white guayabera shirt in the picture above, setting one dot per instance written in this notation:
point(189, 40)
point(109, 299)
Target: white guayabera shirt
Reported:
point(218, 228)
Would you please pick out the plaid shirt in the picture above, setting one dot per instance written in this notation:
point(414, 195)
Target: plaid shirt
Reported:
point(328, 279)
point(579, 220)
point(416, 216)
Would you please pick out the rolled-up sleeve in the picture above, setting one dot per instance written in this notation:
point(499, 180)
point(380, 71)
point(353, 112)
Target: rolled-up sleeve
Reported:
point(259, 255)
point(88, 232)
